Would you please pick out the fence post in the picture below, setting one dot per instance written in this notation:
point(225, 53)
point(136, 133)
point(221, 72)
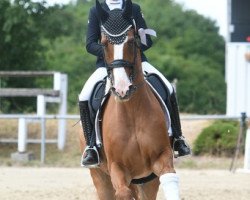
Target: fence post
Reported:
point(41, 111)
point(43, 139)
point(61, 83)
point(239, 141)
point(22, 154)
point(22, 135)
point(247, 152)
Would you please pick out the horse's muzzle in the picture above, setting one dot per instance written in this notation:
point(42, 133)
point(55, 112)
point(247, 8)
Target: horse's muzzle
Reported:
point(127, 95)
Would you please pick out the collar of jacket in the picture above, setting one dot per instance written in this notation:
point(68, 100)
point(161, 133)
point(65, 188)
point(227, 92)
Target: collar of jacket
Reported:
point(105, 6)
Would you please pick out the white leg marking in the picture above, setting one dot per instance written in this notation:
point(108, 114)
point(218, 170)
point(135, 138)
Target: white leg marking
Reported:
point(170, 185)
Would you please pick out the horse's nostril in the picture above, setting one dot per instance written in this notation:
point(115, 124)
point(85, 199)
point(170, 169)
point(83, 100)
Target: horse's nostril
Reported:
point(122, 93)
point(131, 87)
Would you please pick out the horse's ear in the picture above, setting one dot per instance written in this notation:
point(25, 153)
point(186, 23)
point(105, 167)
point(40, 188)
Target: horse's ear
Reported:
point(127, 12)
point(103, 15)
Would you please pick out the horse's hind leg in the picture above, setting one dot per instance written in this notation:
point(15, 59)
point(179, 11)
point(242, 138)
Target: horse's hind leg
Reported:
point(102, 184)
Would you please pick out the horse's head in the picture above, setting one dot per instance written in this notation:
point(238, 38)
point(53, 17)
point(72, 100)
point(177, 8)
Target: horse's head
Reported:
point(121, 49)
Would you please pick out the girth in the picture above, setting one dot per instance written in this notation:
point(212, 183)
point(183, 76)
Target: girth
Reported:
point(144, 179)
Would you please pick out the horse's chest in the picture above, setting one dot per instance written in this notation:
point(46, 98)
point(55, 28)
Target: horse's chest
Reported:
point(138, 145)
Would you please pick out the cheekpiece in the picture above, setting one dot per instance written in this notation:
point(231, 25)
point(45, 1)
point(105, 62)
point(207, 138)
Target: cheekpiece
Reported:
point(116, 27)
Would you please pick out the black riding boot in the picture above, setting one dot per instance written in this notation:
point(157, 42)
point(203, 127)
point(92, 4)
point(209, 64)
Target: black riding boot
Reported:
point(90, 157)
point(179, 143)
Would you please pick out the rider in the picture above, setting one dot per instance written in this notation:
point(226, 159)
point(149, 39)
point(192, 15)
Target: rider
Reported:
point(90, 157)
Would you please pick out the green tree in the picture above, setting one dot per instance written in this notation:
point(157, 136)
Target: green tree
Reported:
point(67, 52)
point(188, 48)
point(20, 47)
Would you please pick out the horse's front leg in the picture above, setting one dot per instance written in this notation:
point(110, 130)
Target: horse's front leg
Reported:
point(169, 180)
point(121, 180)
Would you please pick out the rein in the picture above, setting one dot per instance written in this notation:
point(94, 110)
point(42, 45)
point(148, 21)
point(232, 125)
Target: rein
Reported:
point(120, 63)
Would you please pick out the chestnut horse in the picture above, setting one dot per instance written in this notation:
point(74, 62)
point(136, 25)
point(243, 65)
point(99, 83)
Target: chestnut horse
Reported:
point(134, 130)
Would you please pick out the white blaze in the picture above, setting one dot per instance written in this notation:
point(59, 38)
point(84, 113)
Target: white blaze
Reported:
point(121, 80)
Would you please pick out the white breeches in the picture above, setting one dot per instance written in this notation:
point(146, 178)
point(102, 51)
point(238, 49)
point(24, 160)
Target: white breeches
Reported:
point(87, 89)
point(101, 72)
point(147, 67)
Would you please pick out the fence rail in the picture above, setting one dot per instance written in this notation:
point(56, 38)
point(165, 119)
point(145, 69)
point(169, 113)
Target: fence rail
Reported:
point(183, 117)
point(28, 92)
point(26, 73)
point(43, 119)
point(29, 116)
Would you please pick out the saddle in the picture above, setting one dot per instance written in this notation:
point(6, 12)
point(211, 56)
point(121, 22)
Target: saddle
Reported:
point(155, 81)
point(96, 98)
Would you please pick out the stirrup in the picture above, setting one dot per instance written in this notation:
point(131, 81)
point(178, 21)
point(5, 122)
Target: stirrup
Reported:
point(98, 158)
point(176, 155)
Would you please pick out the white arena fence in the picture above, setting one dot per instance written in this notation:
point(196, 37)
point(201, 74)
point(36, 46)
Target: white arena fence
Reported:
point(23, 139)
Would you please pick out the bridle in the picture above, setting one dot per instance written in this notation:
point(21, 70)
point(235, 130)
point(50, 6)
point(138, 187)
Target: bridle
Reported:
point(121, 63)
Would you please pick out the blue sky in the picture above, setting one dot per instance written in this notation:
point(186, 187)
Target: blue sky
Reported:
point(214, 9)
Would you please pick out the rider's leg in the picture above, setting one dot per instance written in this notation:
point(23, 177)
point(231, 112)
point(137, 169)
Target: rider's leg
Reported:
point(179, 143)
point(147, 67)
point(90, 156)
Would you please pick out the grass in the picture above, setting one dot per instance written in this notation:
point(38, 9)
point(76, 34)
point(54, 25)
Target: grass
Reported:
point(207, 162)
point(70, 156)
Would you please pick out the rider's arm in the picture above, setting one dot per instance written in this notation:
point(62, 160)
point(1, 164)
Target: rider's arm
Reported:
point(93, 34)
point(140, 23)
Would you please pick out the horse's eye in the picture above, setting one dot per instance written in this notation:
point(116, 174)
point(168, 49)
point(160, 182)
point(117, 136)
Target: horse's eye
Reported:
point(104, 43)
